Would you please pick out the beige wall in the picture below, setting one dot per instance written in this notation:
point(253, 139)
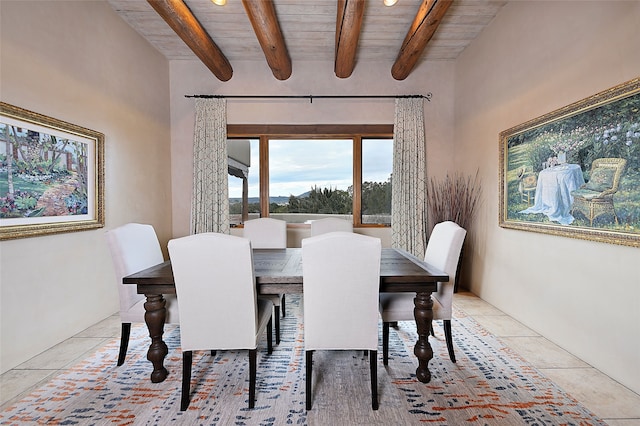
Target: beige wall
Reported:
point(534, 58)
point(79, 62)
point(316, 78)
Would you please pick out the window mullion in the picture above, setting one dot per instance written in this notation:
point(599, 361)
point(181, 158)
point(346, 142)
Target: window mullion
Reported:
point(357, 180)
point(264, 176)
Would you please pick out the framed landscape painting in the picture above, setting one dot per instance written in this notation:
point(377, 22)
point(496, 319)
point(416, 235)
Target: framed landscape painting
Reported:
point(51, 175)
point(575, 172)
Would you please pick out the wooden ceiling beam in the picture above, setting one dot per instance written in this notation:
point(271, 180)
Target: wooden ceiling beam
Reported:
point(348, 26)
point(264, 20)
point(177, 14)
point(422, 29)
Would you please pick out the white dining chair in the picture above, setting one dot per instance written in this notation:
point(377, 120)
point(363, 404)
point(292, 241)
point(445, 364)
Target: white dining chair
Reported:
point(269, 233)
point(134, 247)
point(206, 266)
point(330, 224)
point(443, 252)
point(338, 316)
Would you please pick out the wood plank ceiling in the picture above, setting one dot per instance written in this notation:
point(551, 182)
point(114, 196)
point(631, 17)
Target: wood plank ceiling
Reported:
point(349, 32)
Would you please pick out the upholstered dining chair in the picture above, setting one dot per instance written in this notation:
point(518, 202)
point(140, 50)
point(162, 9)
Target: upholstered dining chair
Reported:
point(269, 233)
point(330, 224)
point(339, 317)
point(206, 266)
point(134, 247)
point(443, 252)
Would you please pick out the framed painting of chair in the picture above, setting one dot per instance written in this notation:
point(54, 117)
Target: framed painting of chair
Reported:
point(575, 172)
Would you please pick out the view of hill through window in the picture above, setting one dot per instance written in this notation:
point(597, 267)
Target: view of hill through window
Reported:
point(309, 179)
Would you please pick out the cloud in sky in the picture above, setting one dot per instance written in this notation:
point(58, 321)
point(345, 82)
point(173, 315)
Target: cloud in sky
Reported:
point(295, 166)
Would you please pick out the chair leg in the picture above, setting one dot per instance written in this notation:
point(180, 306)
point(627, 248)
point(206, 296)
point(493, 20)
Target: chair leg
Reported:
point(252, 377)
point(385, 343)
point(431, 329)
point(282, 303)
point(213, 352)
point(187, 358)
point(447, 335)
point(373, 361)
point(276, 311)
point(270, 336)
point(308, 373)
point(124, 342)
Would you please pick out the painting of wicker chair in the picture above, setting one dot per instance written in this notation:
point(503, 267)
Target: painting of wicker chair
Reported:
point(595, 197)
point(527, 183)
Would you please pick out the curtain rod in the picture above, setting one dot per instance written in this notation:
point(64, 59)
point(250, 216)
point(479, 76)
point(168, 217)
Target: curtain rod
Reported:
point(428, 96)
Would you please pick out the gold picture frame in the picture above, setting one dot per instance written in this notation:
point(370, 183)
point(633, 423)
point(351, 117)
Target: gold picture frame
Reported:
point(51, 175)
point(575, 172)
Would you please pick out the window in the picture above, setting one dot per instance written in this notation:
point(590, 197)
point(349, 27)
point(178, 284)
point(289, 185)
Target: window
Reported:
point(310, 178)
point(302, 173)
point(244, 179)
point(377, 165)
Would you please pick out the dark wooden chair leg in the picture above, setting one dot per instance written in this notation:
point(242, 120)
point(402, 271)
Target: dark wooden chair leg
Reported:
point(213, 352)
point(385, 343)
point(187, 358)
point(283, 310)
point(276, 312)
point(252, 377)
point(449, 339)
point(431, 330)
point(124, 342)
point(270, 336)
point(308, 373)
point(373, 360)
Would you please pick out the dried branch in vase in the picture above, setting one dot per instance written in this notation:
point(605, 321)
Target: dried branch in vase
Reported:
point(455, 198)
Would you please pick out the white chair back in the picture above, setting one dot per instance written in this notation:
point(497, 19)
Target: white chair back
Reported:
point(266, 232)
point(330, 224)
point(443, 252)
point(134, 247)
point(215, 285)
point(341, 280)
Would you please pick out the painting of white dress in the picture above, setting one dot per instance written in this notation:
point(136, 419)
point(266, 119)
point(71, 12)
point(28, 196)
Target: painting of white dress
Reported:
point(576, 171)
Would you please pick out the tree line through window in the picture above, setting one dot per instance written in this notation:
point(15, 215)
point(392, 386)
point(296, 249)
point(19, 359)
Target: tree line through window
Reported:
point(302, 173)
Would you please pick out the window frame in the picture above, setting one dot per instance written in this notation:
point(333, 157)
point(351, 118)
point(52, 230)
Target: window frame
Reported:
point(355, 132)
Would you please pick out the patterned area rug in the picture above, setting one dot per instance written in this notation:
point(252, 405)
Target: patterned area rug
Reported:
point(489, 385)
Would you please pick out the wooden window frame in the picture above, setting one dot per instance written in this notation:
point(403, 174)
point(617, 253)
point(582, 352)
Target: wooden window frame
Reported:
point(356, 132)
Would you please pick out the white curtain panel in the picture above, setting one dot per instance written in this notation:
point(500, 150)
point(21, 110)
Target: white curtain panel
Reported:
point(409, 196)
point(210, 197)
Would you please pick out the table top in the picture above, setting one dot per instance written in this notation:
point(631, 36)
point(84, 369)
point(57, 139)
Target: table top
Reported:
point(280, 271)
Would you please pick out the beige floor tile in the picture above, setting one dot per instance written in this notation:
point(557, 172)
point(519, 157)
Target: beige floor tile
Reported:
point(15, 382)
point(464, 294)
point(542, 353)
point(504, 326)
point(475, 306)
point(622, 422)
point(109, 327)
point(604, 396)
point(63, 353)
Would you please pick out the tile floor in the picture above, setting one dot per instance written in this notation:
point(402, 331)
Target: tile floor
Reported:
point(608, 399)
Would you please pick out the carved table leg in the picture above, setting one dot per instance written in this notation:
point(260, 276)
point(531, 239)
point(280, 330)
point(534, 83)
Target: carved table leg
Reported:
point(423, 314)
point(154, 317)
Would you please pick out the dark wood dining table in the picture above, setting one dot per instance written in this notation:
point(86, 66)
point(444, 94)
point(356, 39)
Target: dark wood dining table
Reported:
point(279, 271)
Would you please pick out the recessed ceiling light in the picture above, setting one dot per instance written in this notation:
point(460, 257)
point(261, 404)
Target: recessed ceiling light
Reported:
point(219, 2)
point(389, 2)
